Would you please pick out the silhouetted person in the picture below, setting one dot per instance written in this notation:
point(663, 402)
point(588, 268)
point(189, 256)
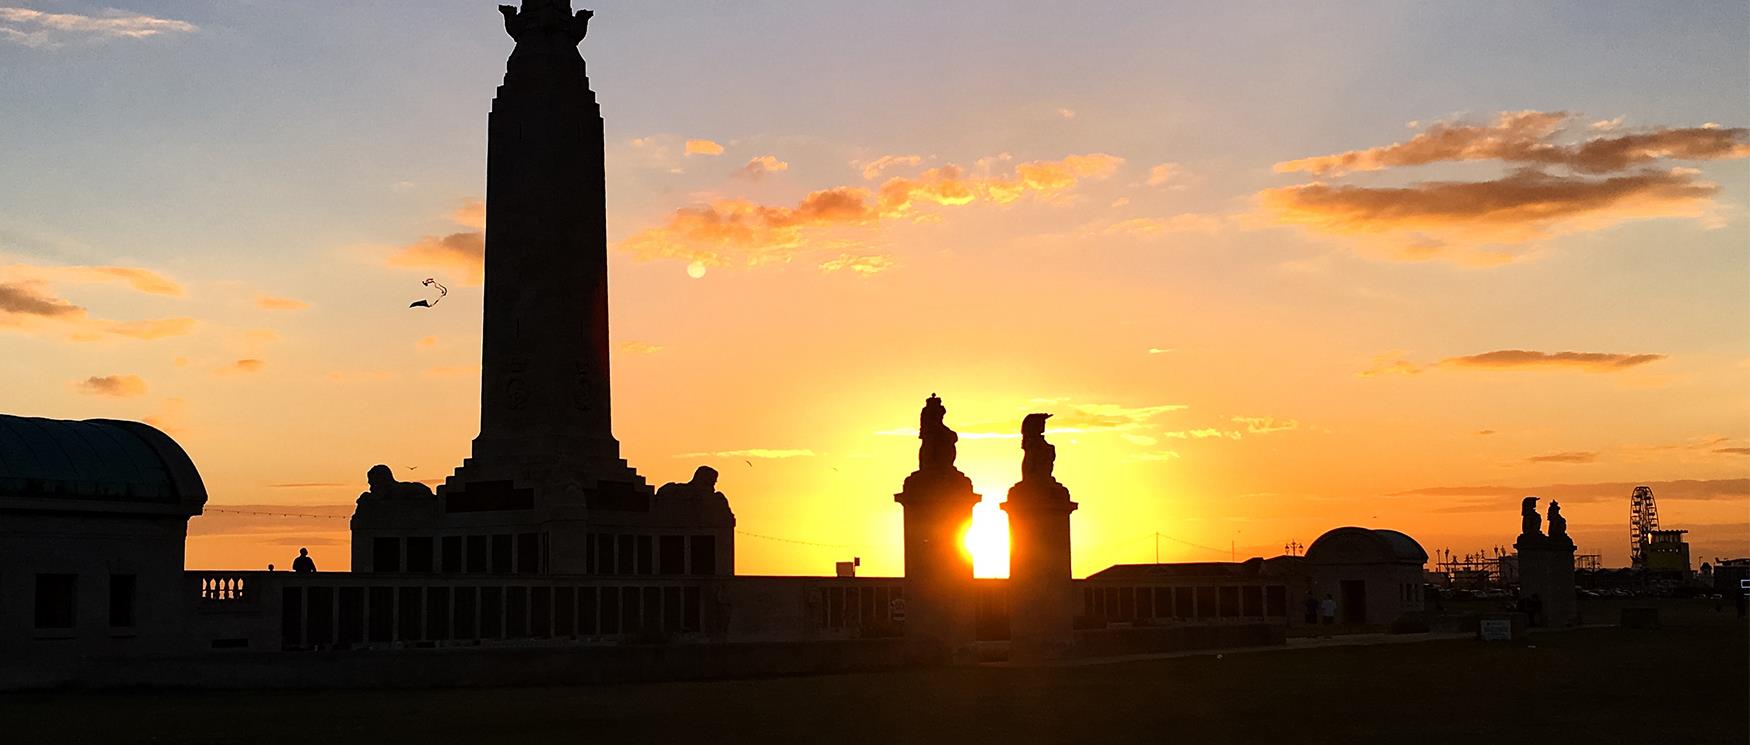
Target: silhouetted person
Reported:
point(1328, 609)
point(270, 567)
point(1311, 605)
point(303, 563)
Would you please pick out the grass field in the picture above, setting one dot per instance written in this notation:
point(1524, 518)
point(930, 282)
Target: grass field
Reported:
point(1689, 684)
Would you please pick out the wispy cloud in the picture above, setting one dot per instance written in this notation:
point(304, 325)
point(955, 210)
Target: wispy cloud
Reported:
point(28, 302)
point(35, 28)
point(271, 302)
point(1520, 359)
point(872, 169)
point(1259, 425)
point(639, 347)
point(119, 386)
point(739, 232)
point(757, 168)
point(703, 147)
point(1570, 456)
point(1531, 137)
point(1682, 490)
point(1553, 188)
point(862, 265)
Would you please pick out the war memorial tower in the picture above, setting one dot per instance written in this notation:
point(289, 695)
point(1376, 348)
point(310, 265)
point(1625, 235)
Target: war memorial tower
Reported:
point(546, 467)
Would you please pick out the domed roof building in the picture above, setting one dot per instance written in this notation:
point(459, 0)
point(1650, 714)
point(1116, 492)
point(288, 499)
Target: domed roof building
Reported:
point(93, 517)
point(1375, 576)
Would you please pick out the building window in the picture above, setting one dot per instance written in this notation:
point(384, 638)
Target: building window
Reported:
point(385, 554)
point(528, 553)
point(56, 600)
point(704, 554)
point(121, 600)
point(419, 554)
point(672, 554)
point(646, 555)
point(501, 554)
point(451, 562)
point(623, 555)
point(476, 554)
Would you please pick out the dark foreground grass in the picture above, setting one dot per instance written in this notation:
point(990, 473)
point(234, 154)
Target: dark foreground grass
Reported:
point(1689, 683)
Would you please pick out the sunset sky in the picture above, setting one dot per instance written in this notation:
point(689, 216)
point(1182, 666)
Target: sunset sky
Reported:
point(1276, 268)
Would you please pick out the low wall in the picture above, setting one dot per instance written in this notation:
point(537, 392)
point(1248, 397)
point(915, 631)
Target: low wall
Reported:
point(1153, 639)
point(499, 666)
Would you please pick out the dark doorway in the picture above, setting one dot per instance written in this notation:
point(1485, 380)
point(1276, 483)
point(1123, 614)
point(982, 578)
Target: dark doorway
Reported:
point(1354, 601)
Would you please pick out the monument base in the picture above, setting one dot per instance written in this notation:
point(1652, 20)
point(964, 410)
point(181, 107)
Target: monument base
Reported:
point(939, 598)
point(1042, 596)
point(1546, 574)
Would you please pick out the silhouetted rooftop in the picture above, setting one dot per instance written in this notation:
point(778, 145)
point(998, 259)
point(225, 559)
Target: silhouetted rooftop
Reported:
point(82, 464)
point(1352, 544)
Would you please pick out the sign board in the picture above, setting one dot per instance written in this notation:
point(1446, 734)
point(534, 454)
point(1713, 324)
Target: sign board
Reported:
point(1744, 584)
point(1496, 630)
point(896, 610)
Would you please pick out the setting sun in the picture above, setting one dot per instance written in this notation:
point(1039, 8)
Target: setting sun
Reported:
point(987, 539)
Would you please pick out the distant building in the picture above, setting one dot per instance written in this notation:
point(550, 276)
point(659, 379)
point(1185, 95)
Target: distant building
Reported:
point(93, 517)
point(1374, 575)
point(1666, 551)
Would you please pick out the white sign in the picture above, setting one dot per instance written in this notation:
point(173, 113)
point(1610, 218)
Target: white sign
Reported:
point(896, 610)
point(1497, 630)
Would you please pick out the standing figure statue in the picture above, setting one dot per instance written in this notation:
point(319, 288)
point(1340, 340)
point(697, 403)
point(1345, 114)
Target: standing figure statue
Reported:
point(1531, 524)
point(938, 447)
point(1038, 457)
point(1558, 525)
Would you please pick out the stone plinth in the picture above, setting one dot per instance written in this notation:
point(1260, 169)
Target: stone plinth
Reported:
point(1546, 570)
point(938, 572)
point(1041, 596)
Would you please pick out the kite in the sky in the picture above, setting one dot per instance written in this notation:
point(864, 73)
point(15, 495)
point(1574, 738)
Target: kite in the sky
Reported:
point(432, 303)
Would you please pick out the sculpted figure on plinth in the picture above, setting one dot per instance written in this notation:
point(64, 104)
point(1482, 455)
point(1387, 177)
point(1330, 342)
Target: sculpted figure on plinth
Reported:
point(546, 17)
point(1531, 524)
point(1038, 457)
point(938, 446)
point(384, 486)
point(1558, 525)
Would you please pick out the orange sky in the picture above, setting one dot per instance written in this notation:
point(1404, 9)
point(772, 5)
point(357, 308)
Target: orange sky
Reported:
point(1257, 311)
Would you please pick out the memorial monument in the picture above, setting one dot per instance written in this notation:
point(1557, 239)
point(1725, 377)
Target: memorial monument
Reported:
point(546, 467)
point(1546, 564)
point(937, 499)
point(1041, 596)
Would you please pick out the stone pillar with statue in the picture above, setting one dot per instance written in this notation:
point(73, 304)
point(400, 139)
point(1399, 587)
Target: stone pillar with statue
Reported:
point(1546, 566)
point(1042, 598)
point(938, 499)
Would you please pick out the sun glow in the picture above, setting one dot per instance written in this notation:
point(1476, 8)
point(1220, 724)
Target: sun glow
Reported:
point(987, 539)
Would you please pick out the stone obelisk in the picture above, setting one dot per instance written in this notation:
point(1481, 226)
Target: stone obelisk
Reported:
point(546, 440)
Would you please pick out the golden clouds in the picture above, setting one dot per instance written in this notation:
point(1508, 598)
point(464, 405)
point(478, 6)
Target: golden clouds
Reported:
point(639, 347)
point(1163, 174)
point(1529, 137)
point(463, 252)
point(1519, 359)
point(703, 147)
point(1458, 219)
point(119, 386)
point(1571, 456)
point(270, 302)
point(28, 302)
point(758, 167)
point(872, 168)
point(460, 252)
point(730, 232)
point(471, 214)
point(35, 28)
point(859, 264)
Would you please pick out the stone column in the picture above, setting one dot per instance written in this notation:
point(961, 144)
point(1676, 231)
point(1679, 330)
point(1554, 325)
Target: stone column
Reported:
point(1546, 570)
point(939, 600)
point(1041, 591)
